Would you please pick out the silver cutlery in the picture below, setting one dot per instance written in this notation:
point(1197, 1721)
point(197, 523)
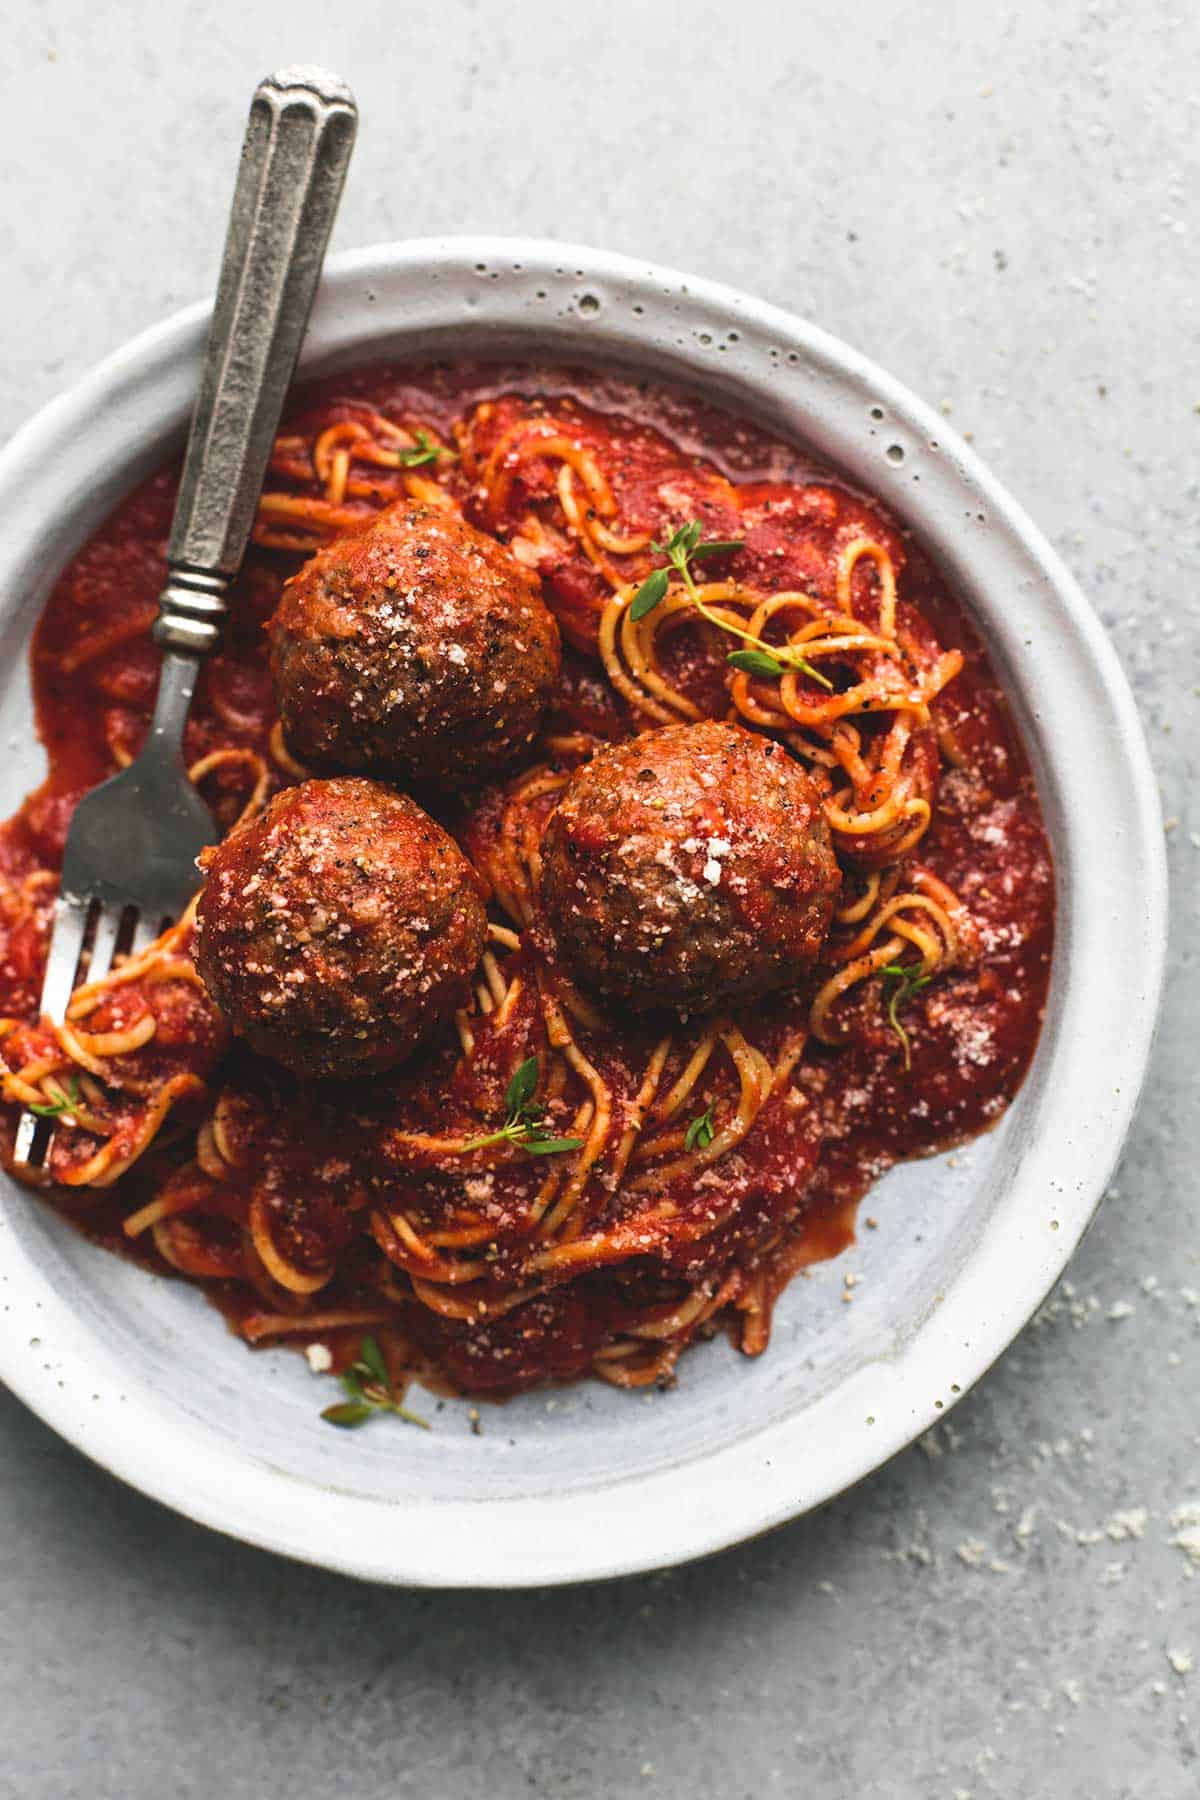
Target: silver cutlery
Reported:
point(129, 867)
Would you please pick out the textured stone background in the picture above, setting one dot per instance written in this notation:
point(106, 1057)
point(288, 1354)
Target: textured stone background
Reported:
point(993, 200)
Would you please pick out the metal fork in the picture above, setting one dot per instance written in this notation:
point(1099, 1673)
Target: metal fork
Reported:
point(129, 867)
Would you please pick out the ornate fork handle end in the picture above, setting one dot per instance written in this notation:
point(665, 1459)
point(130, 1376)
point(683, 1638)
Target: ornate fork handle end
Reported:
point(293, 164)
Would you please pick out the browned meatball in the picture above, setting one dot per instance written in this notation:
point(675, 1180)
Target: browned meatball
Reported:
point(689, 867)
point(419, 650)
point(336, 928)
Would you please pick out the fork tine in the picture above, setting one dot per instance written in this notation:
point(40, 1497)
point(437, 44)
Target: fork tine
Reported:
point(26, 1133)
point(108, 924)
point(70, 926)
point(146, 928)
point(66, 943)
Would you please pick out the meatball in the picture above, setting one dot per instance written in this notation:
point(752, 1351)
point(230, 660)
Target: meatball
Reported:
point(689, 867)
point(419, 650)
point(338, 927)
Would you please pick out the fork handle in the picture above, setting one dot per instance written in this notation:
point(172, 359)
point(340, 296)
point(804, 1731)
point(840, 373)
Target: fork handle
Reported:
point(298, 143)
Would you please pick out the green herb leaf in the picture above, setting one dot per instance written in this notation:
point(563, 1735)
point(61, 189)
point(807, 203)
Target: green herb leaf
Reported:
point(763, 662)
point(55, 1109)
point(907, 981)
point(524, 1133)
point(701, 1132)
point(372, 1360)
point(718, 547)
point(548, 1146)
point(910, 976)
point(352, 1384)
point(521, 1088)
point(755, 662)
point(348, 1414)
point(424, 451)
point(651, 592)
point(674, 545)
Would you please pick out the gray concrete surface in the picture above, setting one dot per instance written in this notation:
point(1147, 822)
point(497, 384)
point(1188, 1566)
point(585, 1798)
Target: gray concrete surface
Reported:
point(997, 202)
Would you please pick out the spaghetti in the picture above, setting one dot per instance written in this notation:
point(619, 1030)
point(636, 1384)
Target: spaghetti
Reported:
point(710, 1157)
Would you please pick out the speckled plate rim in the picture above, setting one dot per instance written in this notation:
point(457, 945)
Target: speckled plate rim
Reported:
point(60, 475)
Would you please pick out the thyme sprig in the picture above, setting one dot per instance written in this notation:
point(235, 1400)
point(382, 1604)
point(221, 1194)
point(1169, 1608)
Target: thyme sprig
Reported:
point(523, 1117)
point(701, 1132)
point(68, 1100)
point(415, 456)
point(687, 546)
point(368, 1386)
point(906, 980)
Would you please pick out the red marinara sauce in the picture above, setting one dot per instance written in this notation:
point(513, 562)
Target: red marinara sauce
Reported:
point(972, 1034)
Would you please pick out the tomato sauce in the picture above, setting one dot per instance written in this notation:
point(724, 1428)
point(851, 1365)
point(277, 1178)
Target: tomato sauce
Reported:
point(863, 1106)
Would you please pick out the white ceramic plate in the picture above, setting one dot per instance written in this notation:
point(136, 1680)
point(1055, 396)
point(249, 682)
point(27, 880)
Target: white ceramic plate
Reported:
point(141, 1375)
